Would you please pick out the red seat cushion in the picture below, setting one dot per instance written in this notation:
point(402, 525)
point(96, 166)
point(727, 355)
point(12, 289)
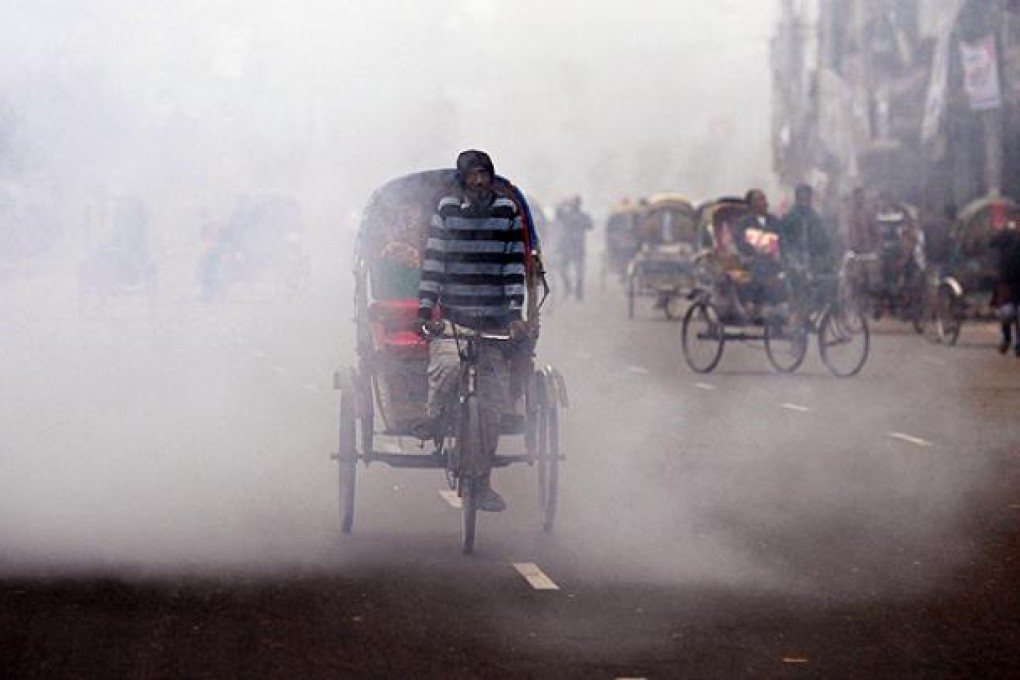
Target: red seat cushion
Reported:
point(394, 328)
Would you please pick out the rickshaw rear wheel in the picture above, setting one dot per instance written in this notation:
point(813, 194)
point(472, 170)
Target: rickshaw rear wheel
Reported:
point(702, 337)
point(786, 346)
point(548, 461)
point(347, 460)
point(632, 292)
point(673, 308)
point(844, 341)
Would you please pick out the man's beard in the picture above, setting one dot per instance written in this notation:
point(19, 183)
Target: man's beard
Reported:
point(479, 198)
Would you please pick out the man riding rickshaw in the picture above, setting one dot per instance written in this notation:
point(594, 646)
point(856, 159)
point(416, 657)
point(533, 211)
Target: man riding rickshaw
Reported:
point(889, 277)
point(741, 255)
point(448, 287)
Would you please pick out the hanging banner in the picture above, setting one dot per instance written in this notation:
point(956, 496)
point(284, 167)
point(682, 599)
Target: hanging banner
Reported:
point(981, 74)
point(935, 102)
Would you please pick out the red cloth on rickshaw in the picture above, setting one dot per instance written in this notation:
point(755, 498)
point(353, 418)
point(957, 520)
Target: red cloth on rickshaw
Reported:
point(394, 325)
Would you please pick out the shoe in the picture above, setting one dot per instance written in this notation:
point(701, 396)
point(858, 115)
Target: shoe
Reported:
point(1004, 347)
point(424, 429)
point(491, 501)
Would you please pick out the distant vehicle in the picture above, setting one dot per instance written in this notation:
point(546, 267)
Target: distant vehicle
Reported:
point(728, 304)
point(120, 265)
point(622, 240)
point(28, 227)
point(891, 280)
point(663, 266)
point(963, 288)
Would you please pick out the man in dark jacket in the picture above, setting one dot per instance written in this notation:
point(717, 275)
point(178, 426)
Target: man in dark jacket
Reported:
point(473, 270)
point(1007, 290)
point(804, 243)
point(571, 230)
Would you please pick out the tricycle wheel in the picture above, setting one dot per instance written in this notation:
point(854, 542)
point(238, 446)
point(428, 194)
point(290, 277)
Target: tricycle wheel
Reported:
point(632, 291)
point(548, 463)
point(673, 309)
point(947, 317)
point(703, 337)
point(347, 459)
point(785, 345)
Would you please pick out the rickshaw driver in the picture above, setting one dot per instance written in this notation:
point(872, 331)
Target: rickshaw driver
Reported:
point(474, 269)
point(763, 268)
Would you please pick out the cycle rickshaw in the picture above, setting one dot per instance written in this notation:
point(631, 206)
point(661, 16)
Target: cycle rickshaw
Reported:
point(621, 240)
point(663, 266)
point(120, 265)
point(963, 290)
point(728, 304)
point(384, 395)
point(893, 278)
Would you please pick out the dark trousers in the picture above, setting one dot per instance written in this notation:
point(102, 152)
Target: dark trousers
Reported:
point(573, 275)
point(1007, 301)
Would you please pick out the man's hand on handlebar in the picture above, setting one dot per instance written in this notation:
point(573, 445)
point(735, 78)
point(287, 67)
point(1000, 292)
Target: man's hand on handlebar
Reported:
point(519, 329)
point(428, 327)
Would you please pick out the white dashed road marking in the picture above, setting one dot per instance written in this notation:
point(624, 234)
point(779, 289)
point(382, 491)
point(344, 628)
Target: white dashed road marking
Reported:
point(639, 370)
point(910, 439)
point(535, 576)
point(795, 407)
point(451, 498)
point(704, 386)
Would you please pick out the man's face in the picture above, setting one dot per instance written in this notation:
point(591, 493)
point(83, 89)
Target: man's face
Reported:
point(478, 184)
point(759, 204)
point(803, 199)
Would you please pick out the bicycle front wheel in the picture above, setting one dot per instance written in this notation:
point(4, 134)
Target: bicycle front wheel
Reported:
point(948, 317)
point(844, 341)
point(469, 481)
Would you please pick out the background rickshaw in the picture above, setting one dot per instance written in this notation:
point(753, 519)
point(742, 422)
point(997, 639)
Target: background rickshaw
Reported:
point(384, 396)
point(622, 241)
point(892, 279)
point(963, 289)
point(728, 304)
point(663, 266)
point(120, 264)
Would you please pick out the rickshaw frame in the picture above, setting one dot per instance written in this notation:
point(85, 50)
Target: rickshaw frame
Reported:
point(784, 332)
point(963, 287)
point(362, 388)
point(664, 271)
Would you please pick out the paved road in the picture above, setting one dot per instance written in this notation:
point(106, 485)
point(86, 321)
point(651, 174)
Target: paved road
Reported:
point(170, 509)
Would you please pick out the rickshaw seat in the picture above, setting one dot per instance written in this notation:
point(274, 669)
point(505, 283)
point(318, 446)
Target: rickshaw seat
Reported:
point(394, 328)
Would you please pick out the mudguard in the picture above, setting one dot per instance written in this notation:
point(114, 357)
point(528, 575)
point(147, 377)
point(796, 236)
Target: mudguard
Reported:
point(952, 284)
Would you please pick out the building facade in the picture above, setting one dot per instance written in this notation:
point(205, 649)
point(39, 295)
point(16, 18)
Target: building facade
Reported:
point(919, 99)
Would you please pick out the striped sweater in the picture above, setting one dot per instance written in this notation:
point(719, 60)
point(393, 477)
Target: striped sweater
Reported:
point(473, 266)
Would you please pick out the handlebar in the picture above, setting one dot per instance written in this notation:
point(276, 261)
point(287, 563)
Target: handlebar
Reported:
point(447, 329)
